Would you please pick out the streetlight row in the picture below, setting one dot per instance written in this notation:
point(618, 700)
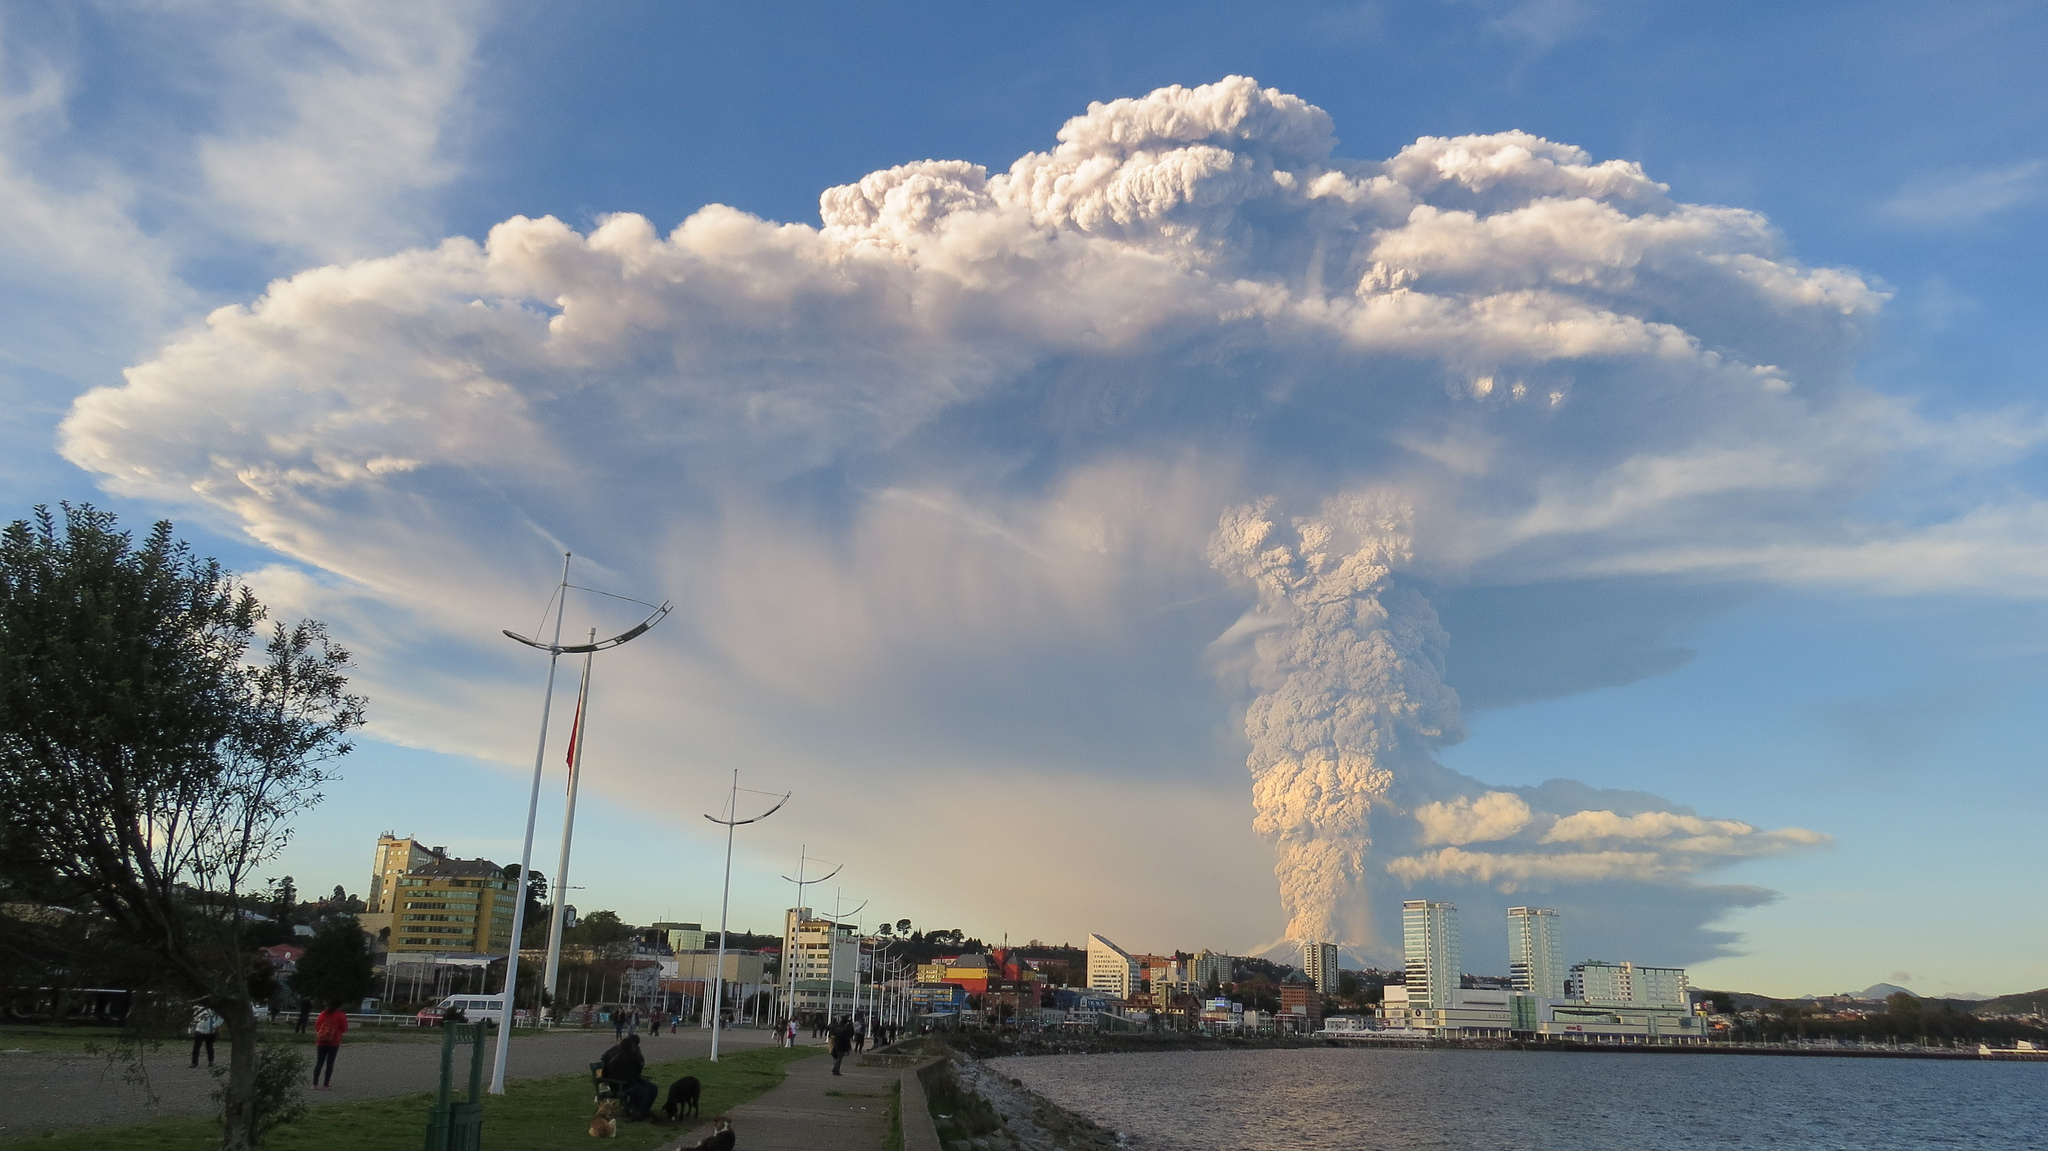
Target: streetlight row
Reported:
point(577, 740)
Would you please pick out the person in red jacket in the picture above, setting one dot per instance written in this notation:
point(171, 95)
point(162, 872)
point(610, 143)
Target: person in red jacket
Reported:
point(327, 1033)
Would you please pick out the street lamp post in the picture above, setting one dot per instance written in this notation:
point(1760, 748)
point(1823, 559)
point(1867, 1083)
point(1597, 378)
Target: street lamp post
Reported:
point(555, 650)
point(789, 944)
point(832, 957)
point(732, 809)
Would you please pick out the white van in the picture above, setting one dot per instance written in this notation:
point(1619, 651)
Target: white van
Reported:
point(475, 1008)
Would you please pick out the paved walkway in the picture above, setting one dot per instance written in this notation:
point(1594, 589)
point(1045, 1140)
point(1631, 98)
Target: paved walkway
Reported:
point(41, 1090)
point(813, 1110)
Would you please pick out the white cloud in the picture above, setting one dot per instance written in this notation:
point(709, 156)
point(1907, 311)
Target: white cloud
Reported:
point(938, 481)
point(1966, 196)
point(1495, 815)
point(336, 122)
point(321, 131)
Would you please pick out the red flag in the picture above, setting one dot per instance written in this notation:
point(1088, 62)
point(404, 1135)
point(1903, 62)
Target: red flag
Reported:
point(575, 729)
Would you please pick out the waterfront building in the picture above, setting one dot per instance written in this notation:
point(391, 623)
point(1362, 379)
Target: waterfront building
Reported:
point(1629, 985)
point(1111, 969)
point(1429, 940)
point(1585, 1021)
point(1319, 965)
point(1536, 952)
point(1221, 1015)
point(461, 906)
point(1465, 1013)
point(1615, 1003)
point(1301, 1005)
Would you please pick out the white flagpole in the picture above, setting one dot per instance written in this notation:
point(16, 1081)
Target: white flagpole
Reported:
point(580, 734)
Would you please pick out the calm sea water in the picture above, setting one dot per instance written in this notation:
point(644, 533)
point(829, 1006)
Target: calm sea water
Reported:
point(1372, 1100)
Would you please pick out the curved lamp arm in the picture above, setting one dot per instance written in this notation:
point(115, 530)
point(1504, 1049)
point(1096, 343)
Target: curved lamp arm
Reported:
point(600, 645)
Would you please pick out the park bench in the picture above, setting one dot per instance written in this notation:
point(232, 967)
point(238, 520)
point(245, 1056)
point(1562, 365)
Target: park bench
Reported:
point(602, 1089)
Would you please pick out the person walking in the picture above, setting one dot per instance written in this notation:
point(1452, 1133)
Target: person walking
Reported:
point(842, 1042)
point(305, 1013)
point(618, 1025)
point(654, 1025)
point(327, 1033)
point(789, 1039)
point(205, 1026)
point(860, 1035)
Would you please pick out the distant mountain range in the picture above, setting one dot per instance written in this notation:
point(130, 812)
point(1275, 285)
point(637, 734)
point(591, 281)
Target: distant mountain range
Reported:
point(2020, 1003)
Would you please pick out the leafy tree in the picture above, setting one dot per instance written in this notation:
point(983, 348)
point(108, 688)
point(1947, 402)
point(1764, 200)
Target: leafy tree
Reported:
point(598, 929)
point(148, 764)
point(336, 967)
point(284, 899)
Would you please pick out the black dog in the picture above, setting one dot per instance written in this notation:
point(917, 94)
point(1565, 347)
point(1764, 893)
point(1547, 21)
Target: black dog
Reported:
point(682, 1097)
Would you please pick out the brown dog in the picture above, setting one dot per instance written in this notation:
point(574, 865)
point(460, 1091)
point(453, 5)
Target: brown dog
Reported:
point(606, 1124)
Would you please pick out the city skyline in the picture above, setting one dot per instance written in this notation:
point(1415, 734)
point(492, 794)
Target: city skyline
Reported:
point(1676, 634)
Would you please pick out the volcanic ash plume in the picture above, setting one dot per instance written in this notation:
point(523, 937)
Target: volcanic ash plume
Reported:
point(1349, 671)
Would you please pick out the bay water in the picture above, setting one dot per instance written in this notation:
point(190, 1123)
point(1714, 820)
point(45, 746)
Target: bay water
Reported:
point(1464, 1100)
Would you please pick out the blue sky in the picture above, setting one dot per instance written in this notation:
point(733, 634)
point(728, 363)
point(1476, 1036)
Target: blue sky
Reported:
point(160, 161)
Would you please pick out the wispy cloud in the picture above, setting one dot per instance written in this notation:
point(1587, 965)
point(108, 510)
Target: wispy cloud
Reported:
point(1965, 196)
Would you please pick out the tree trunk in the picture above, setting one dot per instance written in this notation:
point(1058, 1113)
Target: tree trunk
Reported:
point(238, 1110)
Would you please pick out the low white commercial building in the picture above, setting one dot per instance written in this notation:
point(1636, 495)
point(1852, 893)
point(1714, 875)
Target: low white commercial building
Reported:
point(1470, 1013)
point(1586, 1021)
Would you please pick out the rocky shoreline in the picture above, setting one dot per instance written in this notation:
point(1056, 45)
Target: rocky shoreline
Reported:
point(977, 1108)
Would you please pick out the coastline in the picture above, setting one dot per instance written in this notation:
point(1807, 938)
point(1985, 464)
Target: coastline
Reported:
point(979, 1108)
point(990, 1045)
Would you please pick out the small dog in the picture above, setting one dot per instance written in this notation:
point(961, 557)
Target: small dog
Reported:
point(682, 1099)
point(719, 1140)
point(606, 1124)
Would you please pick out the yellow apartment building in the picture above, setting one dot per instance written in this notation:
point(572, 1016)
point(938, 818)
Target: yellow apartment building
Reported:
point(453, 905)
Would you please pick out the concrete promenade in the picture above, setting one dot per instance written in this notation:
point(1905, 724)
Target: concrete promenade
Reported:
point(39, 1090)
point(814, 1110)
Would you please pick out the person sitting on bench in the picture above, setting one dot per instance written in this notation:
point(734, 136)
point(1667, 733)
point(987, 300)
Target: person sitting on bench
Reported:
point(623, 1064)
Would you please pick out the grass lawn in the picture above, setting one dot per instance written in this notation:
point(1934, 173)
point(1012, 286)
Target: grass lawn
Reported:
point(534, 1115)
point(93, 1040)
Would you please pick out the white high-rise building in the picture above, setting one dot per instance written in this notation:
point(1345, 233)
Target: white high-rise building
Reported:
point(1319, 964)
point(1111, 969)
point(819, 961)
point(1536, 952)
point(1429, 939)
point(1210, 967)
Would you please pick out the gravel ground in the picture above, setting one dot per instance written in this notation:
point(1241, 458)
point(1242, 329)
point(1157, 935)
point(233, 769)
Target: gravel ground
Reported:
point(39, 1090)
